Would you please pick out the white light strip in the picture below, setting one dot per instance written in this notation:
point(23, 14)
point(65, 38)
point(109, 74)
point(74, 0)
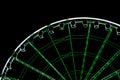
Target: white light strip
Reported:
point(66, 20)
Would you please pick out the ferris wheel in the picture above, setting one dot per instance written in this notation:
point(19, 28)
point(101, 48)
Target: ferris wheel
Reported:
point(80, 48)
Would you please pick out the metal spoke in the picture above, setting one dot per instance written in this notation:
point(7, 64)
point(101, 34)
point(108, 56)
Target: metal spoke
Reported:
point(34, 69)
point(47, 60)
point(59, 55)
point(111, 75)
point(72, 51)
point(98, 54)
point(85, 52)
point(106, 65)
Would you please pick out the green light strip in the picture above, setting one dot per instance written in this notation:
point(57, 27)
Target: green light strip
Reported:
point(85, 52)
point(59, 55)
point(106, 65)
point(111, 75)
point(10, 78)
point(46, 60)
point(98, 54)
point(72, 51)
point(34, 69)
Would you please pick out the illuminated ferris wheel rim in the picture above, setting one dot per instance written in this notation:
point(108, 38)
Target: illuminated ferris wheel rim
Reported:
point(92, 18)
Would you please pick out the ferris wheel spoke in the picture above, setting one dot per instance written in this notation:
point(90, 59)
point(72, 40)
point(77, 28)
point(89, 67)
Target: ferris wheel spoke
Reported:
point(106, 65)
point(117, 72)
point(72, 51)
point(34, 69)
point(47, 60)
point(59, 54)
point(85, 52)
point(9, 78)
point(98, 54)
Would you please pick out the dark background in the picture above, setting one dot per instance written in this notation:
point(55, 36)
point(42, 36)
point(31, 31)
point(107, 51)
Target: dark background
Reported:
point(19, 20)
